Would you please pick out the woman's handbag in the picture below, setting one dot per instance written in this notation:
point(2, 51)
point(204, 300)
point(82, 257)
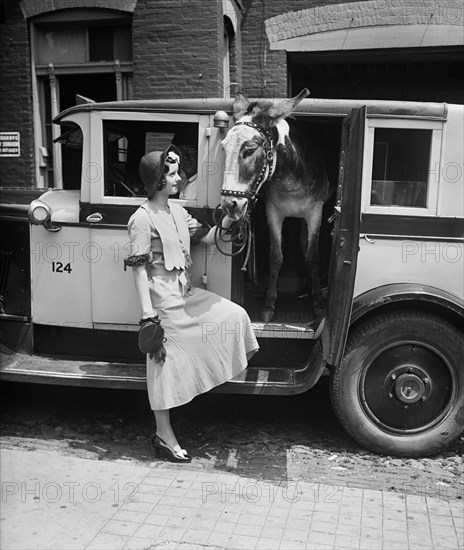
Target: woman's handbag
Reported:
point(151, 338)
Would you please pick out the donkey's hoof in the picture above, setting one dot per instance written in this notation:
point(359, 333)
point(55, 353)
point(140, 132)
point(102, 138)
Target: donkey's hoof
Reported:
point(267, 315)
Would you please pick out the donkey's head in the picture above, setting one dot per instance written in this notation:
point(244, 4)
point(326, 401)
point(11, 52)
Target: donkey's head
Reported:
point(250, 149)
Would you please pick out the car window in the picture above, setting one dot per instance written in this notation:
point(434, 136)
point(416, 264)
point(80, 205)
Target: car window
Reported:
point(126, 142)
point(71, 140)
point(400, 167)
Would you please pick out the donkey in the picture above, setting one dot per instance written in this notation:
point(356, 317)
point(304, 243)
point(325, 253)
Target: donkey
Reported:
point(261, 148)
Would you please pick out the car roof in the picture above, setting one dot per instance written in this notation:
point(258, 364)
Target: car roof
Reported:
point(312, 106)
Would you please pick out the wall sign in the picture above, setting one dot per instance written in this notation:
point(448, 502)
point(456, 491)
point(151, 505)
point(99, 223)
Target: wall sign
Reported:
point(9, 144)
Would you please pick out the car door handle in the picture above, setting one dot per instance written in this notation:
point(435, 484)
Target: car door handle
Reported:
point(94, 218)
point(368, 239)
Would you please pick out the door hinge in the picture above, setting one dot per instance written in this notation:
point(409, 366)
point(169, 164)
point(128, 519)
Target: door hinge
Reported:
point(337, 212)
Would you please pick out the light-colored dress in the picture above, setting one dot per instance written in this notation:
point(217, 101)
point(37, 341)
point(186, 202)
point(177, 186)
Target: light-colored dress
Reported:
point(208, 339)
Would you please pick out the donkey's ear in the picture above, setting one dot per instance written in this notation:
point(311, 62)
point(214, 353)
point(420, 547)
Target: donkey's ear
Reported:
point(240, 105)
point(285, 107)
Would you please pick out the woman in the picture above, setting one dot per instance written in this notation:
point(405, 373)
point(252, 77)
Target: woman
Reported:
point(208, 338)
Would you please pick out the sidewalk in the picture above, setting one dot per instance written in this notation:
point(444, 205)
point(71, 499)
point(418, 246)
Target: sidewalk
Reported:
point(50, 501)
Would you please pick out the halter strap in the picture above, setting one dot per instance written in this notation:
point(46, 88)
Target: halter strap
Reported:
point(267, 169)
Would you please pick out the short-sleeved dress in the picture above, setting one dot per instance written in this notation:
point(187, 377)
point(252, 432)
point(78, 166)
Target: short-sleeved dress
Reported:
point(209, 339)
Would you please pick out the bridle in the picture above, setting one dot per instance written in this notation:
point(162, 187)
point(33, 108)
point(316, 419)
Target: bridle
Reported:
point(267, 169)
point(240, 233)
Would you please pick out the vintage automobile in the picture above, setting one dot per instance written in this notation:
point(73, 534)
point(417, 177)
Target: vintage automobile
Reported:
point(391, 246)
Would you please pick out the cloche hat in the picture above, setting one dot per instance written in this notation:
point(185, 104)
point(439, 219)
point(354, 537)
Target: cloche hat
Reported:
point(152, 167)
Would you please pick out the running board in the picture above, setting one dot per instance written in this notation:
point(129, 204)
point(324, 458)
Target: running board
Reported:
point(310, 331)
point(307, 331)
point(43, 370)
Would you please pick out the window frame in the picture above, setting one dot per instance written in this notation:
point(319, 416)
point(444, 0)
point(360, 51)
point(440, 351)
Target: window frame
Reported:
point(98, 120)
point(431, 208)
point(42, 29)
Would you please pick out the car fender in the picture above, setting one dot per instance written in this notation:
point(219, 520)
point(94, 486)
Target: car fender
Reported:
point(425, 297)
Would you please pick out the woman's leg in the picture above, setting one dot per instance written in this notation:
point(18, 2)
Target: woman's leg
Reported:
point(164, 430)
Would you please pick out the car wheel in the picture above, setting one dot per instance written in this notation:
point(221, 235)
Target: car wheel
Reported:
point(399, 389)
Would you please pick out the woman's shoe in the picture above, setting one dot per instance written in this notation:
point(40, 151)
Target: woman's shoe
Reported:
point(162, 448)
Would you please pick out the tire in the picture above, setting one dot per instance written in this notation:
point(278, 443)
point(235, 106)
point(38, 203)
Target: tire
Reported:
point(399, 389)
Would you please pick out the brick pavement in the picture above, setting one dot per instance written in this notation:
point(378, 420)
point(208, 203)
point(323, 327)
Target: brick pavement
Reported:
point(180, 506)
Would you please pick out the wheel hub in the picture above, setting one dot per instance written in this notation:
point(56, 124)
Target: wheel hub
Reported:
point(409, 388)
point(409, 384)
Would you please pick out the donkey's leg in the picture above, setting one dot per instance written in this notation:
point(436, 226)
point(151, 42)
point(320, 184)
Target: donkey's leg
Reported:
point(313, 222)
point(275, 221)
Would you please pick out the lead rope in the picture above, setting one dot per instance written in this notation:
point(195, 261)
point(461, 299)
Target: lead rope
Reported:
point(239, 235)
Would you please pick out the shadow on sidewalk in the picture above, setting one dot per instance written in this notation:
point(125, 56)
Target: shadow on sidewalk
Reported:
point(251, 436)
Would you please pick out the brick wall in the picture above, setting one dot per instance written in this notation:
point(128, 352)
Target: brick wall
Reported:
point(16, 97)
point(265, 71)
point(174, 43)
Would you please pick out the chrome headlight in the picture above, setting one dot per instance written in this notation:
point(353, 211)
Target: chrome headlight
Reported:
point(39, 213)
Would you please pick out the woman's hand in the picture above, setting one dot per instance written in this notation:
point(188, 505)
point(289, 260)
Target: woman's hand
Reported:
point(227, 222)
point(209, 238)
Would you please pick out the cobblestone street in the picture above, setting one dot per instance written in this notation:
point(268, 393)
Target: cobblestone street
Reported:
point(266, 473)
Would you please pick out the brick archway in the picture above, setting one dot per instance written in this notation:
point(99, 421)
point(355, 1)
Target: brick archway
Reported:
point(359, 25)
point(32, 8)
